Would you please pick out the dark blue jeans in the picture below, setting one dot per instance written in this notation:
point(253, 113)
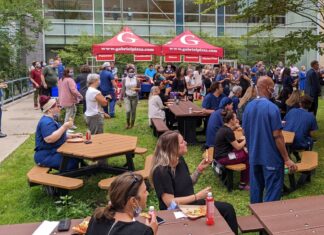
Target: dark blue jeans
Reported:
point(112, 103)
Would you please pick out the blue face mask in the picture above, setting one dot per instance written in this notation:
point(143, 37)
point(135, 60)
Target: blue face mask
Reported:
point(137, 210)
point(131, 75)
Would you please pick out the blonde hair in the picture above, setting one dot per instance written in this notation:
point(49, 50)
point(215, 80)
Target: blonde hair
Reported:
point(166, 152)
point(249, 94)
point(294, 98)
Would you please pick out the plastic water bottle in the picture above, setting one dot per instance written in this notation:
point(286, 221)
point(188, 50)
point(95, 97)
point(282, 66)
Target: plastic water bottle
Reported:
point(151, 212)
point(173, 205)
point(210, 209)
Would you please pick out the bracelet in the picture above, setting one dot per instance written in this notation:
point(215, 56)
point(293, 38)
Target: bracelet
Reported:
point(199, 169)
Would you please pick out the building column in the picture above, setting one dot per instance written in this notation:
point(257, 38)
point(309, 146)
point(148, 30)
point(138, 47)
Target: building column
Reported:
point(98, 17)
point(179, 16)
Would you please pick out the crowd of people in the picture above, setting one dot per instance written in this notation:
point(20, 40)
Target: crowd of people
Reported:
point(262, 102)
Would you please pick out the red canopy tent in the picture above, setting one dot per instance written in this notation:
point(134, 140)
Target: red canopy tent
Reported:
point(125, 42)
point(192, 47)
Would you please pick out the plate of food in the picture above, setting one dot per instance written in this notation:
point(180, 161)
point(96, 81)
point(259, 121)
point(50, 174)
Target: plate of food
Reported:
point(82, 227)
point(193, 211)
point(75, 140)
point(145, 215)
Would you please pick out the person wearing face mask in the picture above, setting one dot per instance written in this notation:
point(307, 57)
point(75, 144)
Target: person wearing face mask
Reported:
point(35, 77)
point(69, 96)
point(50, 77)
point(50, 135)
point(95, 100)
point(266, 146)
point(173, 183)
point(128, 196)
point(108, 86)
point(130, 88)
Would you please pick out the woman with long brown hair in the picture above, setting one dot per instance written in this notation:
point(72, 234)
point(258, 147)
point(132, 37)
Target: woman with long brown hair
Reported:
point(128, 195)
point(173, 183)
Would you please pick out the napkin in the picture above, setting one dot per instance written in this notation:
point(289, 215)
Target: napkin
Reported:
point(46, 228)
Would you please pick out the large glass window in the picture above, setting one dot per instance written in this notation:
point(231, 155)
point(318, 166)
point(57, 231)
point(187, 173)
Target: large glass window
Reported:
point(68, 4)
point(161, 10)
point(112, 10)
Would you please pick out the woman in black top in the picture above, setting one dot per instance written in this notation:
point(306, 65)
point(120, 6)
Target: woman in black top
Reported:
point(228, 150)
point(128, 197)
point(179, 83)
point(174, 184)
point(82, 80)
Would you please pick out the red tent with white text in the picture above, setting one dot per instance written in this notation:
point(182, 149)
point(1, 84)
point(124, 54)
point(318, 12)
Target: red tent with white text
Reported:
point(193, 48)
point(125, 42)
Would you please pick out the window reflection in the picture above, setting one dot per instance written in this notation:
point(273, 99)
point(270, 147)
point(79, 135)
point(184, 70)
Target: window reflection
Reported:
point(68, 5)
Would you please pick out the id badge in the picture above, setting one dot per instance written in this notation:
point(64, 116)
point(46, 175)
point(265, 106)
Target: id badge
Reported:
point(231, 156)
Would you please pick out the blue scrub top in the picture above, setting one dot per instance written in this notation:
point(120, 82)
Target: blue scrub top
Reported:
point(211, 101)
point(46, 126)
point(150, 73)
point(214, 123)
point(236, 102)
point(254, 77)
point(106, 78)
point(260, 118)
point(302, 123)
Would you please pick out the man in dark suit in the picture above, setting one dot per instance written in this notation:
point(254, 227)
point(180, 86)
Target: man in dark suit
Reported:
point(312, 86)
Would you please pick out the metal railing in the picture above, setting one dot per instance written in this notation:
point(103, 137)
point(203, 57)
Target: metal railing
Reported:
point(17, 88)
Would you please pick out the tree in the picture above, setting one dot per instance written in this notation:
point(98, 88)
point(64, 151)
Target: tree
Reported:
point(20, 23)
point(266, 12)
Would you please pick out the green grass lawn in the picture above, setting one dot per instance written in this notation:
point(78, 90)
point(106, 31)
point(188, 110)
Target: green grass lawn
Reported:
point(20, 204)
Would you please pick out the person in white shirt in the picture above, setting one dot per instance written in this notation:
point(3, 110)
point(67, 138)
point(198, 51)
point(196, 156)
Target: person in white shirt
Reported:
point(94, 101)
point(155, 105)
point(198, 78)
point(130, 89)
point(190, 84)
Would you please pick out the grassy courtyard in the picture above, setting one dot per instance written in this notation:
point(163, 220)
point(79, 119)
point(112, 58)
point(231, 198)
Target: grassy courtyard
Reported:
point(20, 204)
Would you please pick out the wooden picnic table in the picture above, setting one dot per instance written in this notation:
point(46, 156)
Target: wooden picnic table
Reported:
point(171, 226)
point(103, 146)
point(288, 135)
point(292, 216)
point(187, 120)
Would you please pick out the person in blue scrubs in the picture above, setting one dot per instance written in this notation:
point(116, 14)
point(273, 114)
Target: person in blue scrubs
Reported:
point(150, 73)
point(108, 87)
point(50, 135)
point(216, 121)
point(303, 123)
point(267, 152)
point(212, 99)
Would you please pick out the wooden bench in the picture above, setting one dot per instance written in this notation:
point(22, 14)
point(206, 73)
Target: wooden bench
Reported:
point(39, 176)
point(105, 183)
point(249, 223)
point(140, 150)
point(159, 126)
point(227, 171)
point(308, 164)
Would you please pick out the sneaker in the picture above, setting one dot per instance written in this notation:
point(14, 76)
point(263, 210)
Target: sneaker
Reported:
point(244, 187)
point(36, 107)
point(2, 135)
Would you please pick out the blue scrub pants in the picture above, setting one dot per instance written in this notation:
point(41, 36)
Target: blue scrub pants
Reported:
point(266, 178)
point(53, 159)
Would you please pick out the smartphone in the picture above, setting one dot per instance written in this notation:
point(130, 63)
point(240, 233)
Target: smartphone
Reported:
point(160, 220)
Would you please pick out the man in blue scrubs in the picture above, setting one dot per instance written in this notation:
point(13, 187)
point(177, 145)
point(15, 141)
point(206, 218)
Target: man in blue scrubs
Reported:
point(149, 73)
point(212, 100)
point(216, 121)
point(267, 152)
point(108, 87)
point(303, 123)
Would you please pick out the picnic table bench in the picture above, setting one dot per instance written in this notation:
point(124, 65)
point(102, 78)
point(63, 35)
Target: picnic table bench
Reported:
point(159, 126)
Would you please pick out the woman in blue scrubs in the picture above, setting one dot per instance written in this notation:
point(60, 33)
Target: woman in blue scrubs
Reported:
point(50, 135)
